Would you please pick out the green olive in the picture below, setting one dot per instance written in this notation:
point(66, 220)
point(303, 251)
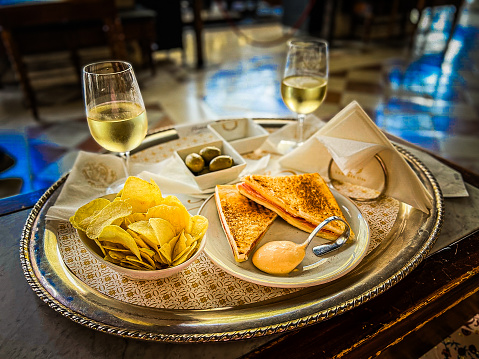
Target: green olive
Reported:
point(220, 163)
point(195, 162)
point(209, 152)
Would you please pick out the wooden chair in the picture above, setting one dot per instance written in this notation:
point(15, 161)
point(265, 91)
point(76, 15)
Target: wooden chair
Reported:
point(57, 25)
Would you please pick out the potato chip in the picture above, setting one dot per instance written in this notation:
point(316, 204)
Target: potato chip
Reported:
point(107, 216)
point(139, 241)
point(83, 225)
point(149, 252)
point(146, 233)
point(116, 234)
point(185, 256)
point(199, 225)
point(189, 239)
point(147, 255)
point(165, 253)
point(177, 216)
point(156, 189)
point(102, 248)
point(163, 230)
point(170, 246)
point(86, 211)
point(133, 260)
point(116, 249)
point(119, 256)
point(112, 260)
point(132, 265)
point(172, 201)
point(111, 245)
point(118, 221)
point(181, 254)
point(135, 217)
point(180, 246)
point(141, 194)
point(160, 258)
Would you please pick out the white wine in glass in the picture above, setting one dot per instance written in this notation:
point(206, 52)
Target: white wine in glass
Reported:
point(304, 84)
point(114, 107)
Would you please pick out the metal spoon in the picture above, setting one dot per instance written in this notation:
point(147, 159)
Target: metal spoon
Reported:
point(281, 257)
point(329, 247)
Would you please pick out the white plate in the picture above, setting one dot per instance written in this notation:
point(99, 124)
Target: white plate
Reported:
point(312, 271)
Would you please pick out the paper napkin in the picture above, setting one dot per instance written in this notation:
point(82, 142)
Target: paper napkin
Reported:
point(352, 140)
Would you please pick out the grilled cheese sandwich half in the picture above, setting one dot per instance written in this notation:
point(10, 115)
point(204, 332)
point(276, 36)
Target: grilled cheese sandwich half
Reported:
point(303, 201)
point(244, 221)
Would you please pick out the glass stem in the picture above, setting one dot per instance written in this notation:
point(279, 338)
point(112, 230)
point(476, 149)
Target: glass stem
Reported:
point(126, 162)
point(301, 118)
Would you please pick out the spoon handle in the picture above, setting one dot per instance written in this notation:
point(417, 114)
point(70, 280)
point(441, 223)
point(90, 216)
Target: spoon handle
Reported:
point(329, 247)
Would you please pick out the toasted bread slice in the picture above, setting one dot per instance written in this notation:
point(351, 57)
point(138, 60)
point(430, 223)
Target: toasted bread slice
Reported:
point(303, 200)
point(244, 221)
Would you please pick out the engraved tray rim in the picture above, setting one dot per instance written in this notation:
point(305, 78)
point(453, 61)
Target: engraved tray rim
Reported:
point(52, 281)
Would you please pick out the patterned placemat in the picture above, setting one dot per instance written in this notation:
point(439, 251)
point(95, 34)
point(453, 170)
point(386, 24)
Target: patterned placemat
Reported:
point(202, 285)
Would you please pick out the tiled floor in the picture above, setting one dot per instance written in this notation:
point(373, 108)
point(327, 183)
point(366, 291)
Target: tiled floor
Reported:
point(430, 103)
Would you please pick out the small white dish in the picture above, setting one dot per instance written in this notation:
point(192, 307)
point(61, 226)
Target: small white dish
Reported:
point(138, 274)
point(211, 179)
point(243, 134)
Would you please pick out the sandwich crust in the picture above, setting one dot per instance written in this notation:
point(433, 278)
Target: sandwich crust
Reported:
point(302, 200)
point(243, 220)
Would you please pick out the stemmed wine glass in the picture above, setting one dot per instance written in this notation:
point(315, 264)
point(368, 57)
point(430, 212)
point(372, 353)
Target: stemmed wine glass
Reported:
point(304, 83)
point(114, 107)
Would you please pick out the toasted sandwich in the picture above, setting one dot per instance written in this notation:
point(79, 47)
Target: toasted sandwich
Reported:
point(303, 201)
point(244, 221)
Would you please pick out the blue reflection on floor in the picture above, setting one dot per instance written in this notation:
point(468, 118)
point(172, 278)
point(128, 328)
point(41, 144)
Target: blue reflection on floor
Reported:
point(35, 161)
point(14, 145)
point(425, 91)
point(250, 87)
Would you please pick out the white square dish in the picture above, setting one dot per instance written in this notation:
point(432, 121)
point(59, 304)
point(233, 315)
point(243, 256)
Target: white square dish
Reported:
point(211, 179)
point(243, 134)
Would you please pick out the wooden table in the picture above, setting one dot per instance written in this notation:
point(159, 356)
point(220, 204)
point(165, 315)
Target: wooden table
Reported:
point(390, 325)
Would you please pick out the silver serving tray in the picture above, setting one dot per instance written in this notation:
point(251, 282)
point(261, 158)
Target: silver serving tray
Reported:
point(407, 244)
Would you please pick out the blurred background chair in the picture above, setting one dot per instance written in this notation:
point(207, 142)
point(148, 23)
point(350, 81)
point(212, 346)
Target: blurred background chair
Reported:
point(68, 25)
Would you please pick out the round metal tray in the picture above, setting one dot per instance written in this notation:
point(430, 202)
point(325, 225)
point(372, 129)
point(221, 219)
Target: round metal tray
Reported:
point(405, 246)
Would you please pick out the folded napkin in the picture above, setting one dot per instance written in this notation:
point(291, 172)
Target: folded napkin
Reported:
point(352, 140)
point(94, 174)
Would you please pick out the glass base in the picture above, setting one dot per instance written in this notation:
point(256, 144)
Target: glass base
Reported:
point(286, 146)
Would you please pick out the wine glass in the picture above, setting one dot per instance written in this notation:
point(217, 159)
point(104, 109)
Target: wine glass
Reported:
point(114, 107)
point(304, 83)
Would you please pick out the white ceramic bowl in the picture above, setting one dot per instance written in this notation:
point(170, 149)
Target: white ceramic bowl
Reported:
point(211, 179)
point(138, 274)
point(243, 134)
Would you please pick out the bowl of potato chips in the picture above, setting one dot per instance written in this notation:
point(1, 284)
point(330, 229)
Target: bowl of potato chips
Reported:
point(139, 233)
